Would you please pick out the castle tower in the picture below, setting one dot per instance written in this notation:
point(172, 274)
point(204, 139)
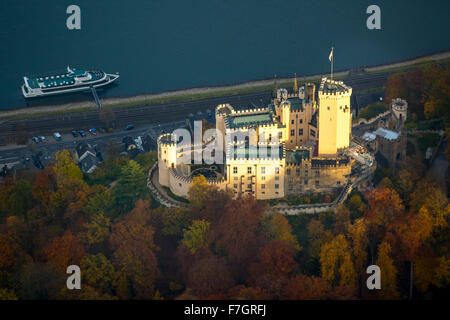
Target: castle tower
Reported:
point(334, 117)
point(167, 157)
point(399, 109)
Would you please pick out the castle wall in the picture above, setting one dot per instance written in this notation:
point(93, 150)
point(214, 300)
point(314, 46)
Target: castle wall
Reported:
point(303, 178)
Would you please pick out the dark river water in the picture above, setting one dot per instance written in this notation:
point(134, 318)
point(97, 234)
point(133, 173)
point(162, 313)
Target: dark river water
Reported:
point(160, 45)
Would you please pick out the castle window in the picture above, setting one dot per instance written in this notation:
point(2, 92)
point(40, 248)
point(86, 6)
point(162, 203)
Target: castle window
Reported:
point(292, 121)
point(301, 121)
point(235, 186)
point(235, 178)
point(277, 178)
point(249, 186)
point(263, 178)
point(317, 173)
point(297, 171)
point(263, 170)
point(263, 186)
point(290, 180)
point(249, 170)
point(280, 135)
point(288, 171)
point(249, 178)
point(263, 192)
point(276, 192)
point(292, 133)
point(306, 182)
point(179, 184)
point(277, 170)
point(338, 182)
point(328, 108)
point(317, 182)
point(277, 186)
point(312, 133)
point(235, 170)
point(300, 132)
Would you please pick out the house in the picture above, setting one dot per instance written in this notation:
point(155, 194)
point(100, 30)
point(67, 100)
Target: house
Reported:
point(87, 157)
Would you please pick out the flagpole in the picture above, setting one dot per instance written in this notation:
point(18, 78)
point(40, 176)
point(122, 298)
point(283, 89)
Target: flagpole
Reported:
point(332, 60)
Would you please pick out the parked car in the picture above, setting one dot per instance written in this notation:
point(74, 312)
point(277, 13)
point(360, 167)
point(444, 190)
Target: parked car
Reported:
point(43, 139)
point(35, 139)
point(57, 136)
point(93, 131)
point(129, 127)
point(82, 133)
point(75, 134)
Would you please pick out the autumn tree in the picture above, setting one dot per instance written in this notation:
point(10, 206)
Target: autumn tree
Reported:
point(238, 234)
point(278, 228)
point(385, 206)
point(205, 200)
point(317, 236)
point(303, 287)
point(64, 251)
point(133, 254)
point(66, 166)
point(43, 186)
point(210, 275)
point(336, 262)
point(358, 238)
point(388, 272)
point(275, 259)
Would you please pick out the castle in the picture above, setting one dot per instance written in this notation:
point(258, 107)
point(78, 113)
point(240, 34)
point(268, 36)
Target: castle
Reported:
point(295, 145)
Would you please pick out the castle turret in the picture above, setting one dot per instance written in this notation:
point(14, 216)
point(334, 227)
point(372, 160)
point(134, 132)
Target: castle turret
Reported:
point(167, 157)
point(399, 109)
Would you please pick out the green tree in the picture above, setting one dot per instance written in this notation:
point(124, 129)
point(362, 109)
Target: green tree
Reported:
point(99, 272)
point(131, 187)
point(197, 235)
point(20, 198)
point(101, 200)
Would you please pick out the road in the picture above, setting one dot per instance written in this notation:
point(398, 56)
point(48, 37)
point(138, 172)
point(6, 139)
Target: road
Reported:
point(13, 154)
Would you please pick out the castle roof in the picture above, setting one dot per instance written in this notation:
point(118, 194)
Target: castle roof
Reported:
point(328, 86)
point(387, 134)
point(245, 120)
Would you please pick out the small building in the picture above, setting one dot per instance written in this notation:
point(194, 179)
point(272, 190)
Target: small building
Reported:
point(87, 157)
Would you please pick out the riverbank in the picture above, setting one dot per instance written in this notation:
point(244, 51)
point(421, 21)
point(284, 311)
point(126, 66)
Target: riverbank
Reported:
point(209, 92)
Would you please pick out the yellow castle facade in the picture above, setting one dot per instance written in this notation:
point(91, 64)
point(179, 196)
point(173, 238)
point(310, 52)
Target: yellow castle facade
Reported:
point(295, 145)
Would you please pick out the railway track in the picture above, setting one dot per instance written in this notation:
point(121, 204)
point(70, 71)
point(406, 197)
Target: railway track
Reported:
point(155, 113)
